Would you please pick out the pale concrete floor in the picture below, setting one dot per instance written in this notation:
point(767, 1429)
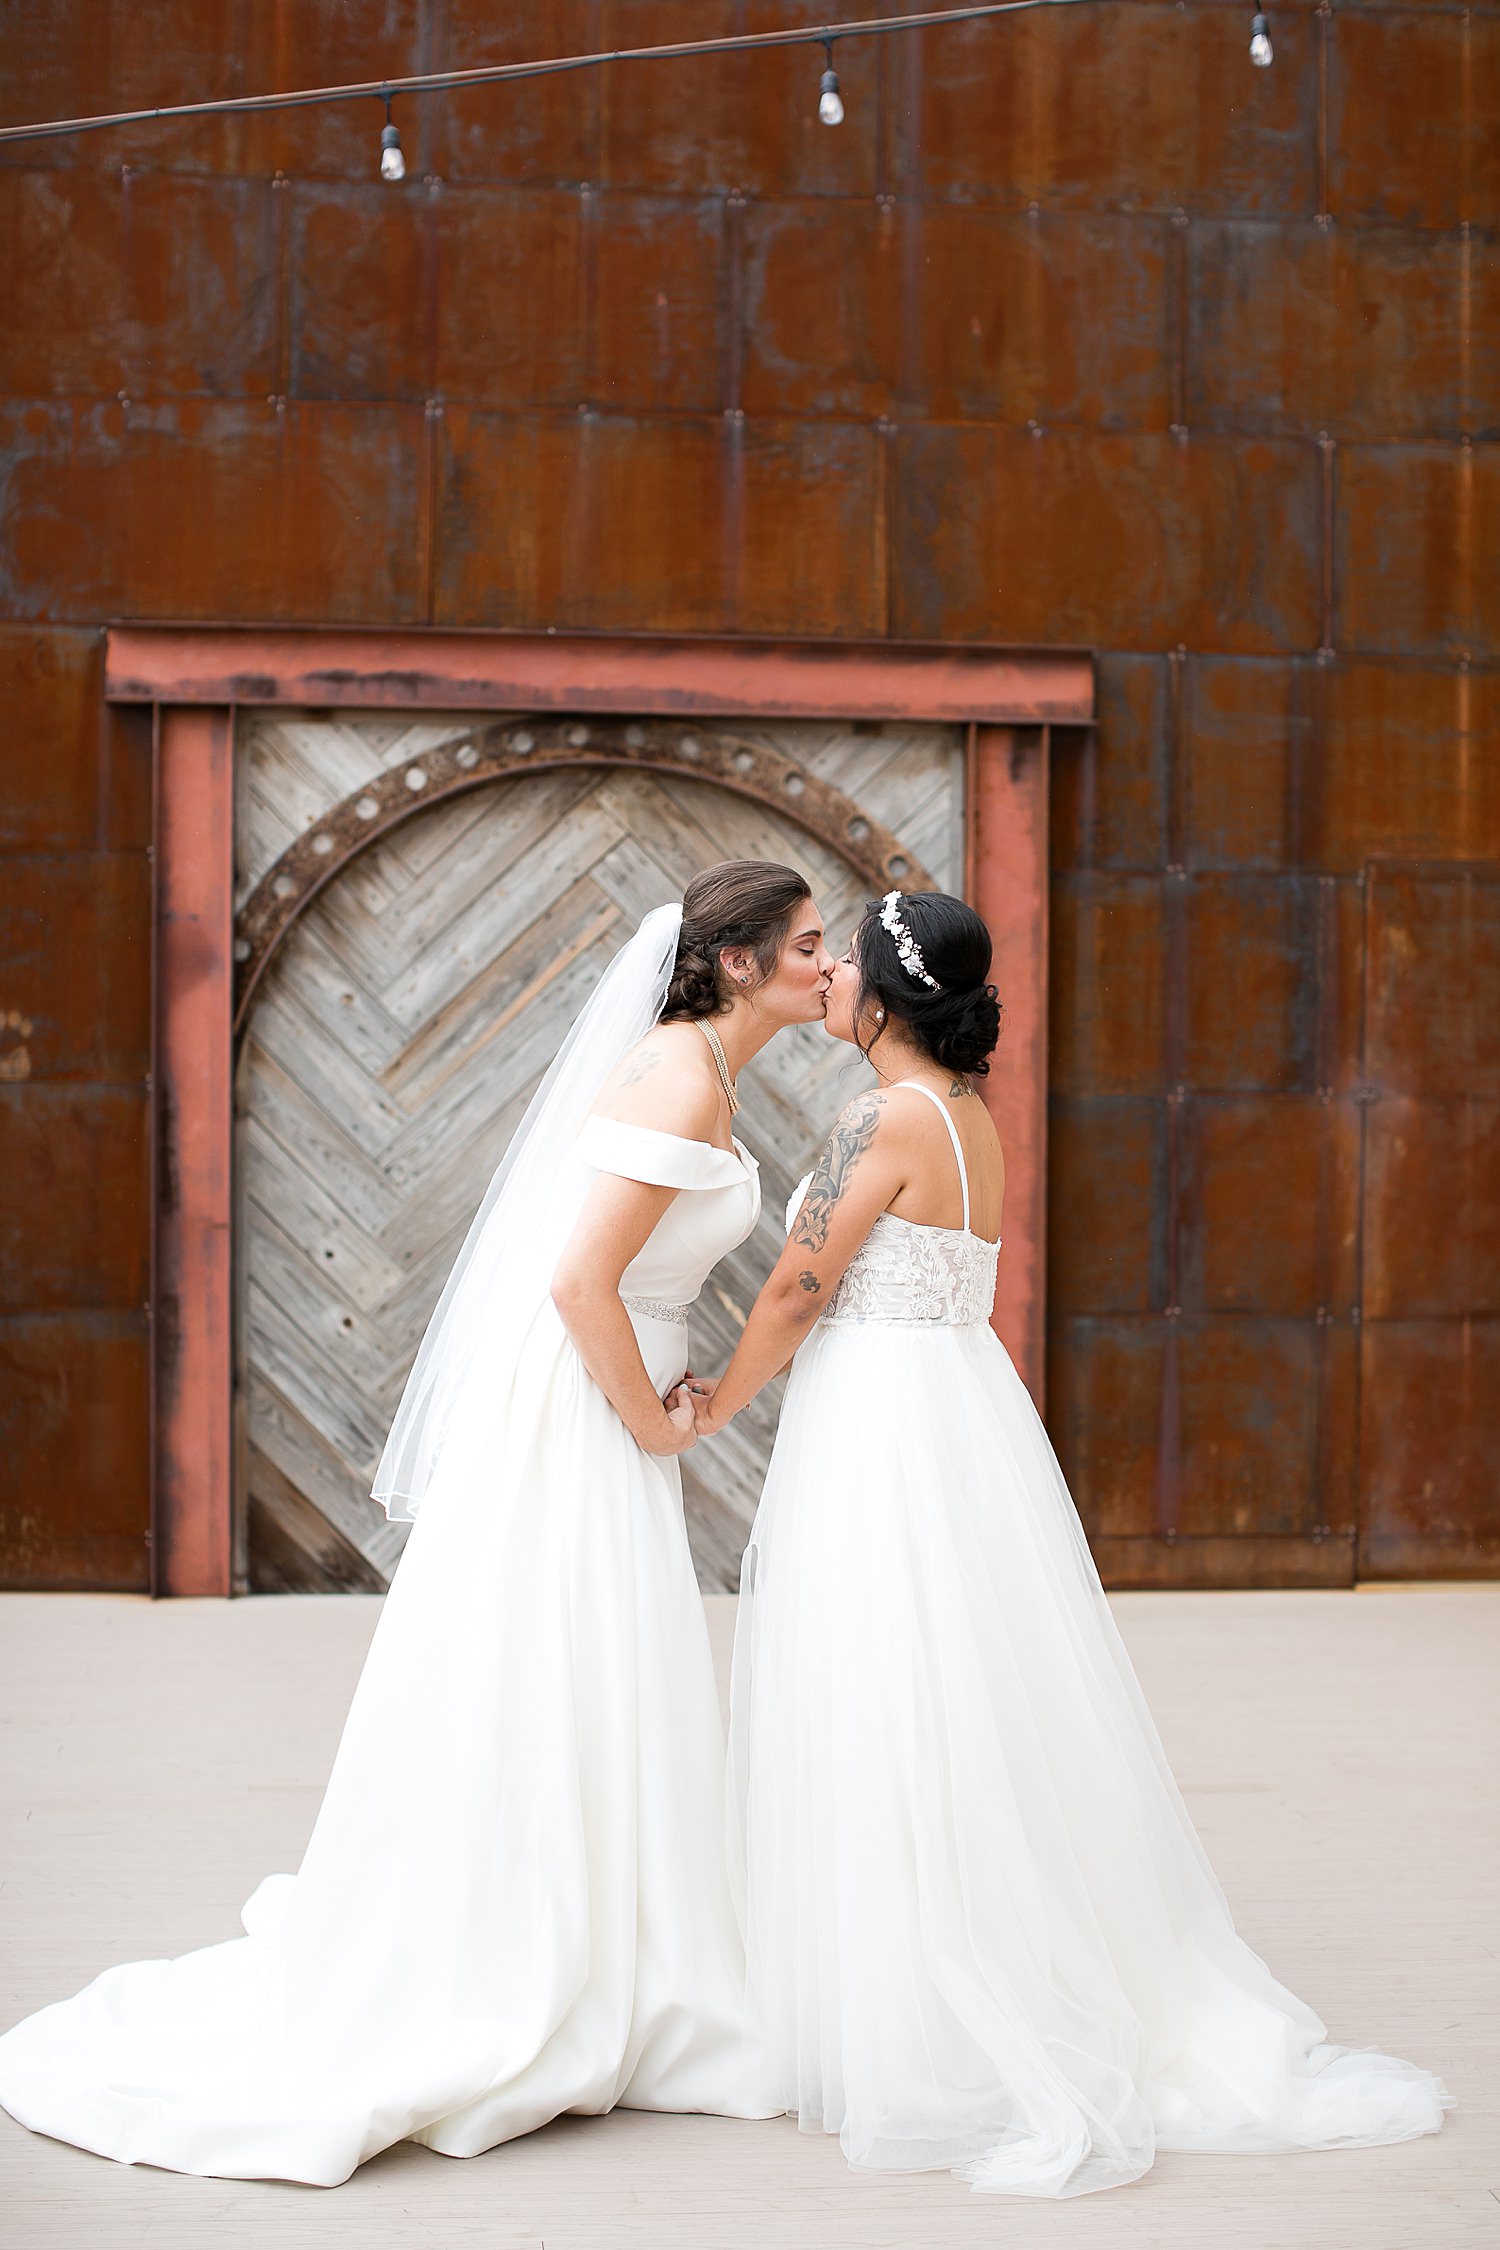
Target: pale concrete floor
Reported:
point(1338, 1752)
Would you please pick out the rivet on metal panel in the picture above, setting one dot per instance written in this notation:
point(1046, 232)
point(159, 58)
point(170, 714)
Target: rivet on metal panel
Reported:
point(885, 427)
point(578, 736)
point(322, 845)
point(859, 830)
point(793, 784)
point(689, 746)
point(1354, 1313)
point(1173, 1312)
point(241, 953)
point(634, 737)
point(468, 756)
point(1033, 210)
point(283, 886)
point(744, 761)
point(367, 807)
point(521, 742)
point(1170, 1535)
point(415, 778)
point(734, 414)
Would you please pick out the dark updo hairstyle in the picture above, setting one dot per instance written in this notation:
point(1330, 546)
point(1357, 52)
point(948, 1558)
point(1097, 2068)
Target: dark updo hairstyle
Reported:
point(959, 1023)
point(747, 903)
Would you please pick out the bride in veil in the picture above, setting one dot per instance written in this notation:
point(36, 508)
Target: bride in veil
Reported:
point(514, 1902)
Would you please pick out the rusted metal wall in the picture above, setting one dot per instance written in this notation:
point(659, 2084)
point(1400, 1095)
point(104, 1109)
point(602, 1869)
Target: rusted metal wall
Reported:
point(1079, 330)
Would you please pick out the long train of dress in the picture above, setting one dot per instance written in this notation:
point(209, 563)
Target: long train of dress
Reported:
point(981, 1929)
point(514, 1901)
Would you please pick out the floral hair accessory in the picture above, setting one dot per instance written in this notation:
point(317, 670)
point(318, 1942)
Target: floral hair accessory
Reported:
point(907, 948)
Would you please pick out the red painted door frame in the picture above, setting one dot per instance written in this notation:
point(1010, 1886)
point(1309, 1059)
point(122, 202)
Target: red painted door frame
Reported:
point(197, 678)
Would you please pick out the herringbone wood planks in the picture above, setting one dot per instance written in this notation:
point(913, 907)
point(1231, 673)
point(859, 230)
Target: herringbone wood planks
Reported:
point(401, 1031)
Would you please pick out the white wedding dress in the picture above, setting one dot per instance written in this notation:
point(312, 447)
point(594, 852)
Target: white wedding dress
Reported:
point(514, 1902)
point(981, 1930)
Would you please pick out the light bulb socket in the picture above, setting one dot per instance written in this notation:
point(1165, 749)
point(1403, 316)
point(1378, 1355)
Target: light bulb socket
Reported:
point(1261, 50)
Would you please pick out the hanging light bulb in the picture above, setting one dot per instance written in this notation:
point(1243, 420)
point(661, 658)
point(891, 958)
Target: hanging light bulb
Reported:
point(392, 162)
point(1262, 53)
point(830, 101)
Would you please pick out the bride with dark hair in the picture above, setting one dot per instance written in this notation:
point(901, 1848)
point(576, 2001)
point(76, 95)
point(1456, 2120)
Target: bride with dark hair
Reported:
point(514, 1901)
point(981, 1930)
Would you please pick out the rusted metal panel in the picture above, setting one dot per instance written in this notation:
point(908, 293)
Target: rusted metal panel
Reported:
point(1138, 542)
point(502, 671)
point(1007, 830)
point(1109, 786)
point(74, 944)
point(1104, 1387)
point(1296, 327)
point(748, 122)
point(137, 283)
point(772, 526)
point(656, 312)
point(212, 509)
point(73, 1504)
point(823, 310)
point(1416, 533)
point(548, 130)
point(1406, 766)
point(1244, 750)
point(1251, 981)
point(191, 1502)
point(1108, 999)
point(1271, 1561)
point(50, 684)
point(1247, 1432)
point(1396, 114)
point(1429, 1441)
point(361, 313)
point(72, 1227)
point(83, 56)
point(1432, 1206)
point(1433, 963)
point(1271, 1197)
point(1078, 107)
point(1037, 315)
point(1106, 1172)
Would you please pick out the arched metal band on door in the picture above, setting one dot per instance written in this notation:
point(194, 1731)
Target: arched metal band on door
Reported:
point(498, 753)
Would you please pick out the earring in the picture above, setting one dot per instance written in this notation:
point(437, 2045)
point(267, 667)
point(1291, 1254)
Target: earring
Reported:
point(744, 976)
point(880, 1015)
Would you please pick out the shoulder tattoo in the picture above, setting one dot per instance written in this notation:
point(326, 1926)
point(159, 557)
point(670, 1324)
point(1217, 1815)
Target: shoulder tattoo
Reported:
point(846, 1145)
point(640, 1068)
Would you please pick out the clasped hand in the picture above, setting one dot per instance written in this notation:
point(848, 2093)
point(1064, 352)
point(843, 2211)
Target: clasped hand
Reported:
point(696, 1393)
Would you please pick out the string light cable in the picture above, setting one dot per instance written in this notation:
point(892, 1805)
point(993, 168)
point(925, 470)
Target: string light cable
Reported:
point(393, 163)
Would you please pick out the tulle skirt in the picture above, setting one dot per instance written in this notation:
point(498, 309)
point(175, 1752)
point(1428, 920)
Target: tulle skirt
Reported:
point(981, 1930)
point(514, 1902)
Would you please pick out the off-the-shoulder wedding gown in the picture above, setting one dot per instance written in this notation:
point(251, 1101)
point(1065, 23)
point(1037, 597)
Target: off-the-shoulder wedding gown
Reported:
point(981, 1929)
point(514, 1902)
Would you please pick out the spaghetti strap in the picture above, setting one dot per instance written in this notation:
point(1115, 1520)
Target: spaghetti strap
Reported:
point(942, 1109)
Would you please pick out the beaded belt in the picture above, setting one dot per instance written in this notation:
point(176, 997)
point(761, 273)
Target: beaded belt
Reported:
point(655, 1308)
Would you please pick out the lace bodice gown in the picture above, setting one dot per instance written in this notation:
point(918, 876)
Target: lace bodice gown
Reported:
point(981, 1930)
point(514, 1900)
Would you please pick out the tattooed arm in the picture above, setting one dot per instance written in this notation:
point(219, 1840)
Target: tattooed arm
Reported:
point(860, 1171)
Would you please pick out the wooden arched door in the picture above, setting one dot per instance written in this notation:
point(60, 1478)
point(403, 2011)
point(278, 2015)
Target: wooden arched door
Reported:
point(400, 1000)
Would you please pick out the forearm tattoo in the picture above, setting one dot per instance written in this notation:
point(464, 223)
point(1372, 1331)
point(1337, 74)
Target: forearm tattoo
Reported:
point(846, 1145)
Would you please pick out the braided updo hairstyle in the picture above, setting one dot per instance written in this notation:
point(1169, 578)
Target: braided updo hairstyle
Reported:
point(959, 1023)
point(747, 903)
